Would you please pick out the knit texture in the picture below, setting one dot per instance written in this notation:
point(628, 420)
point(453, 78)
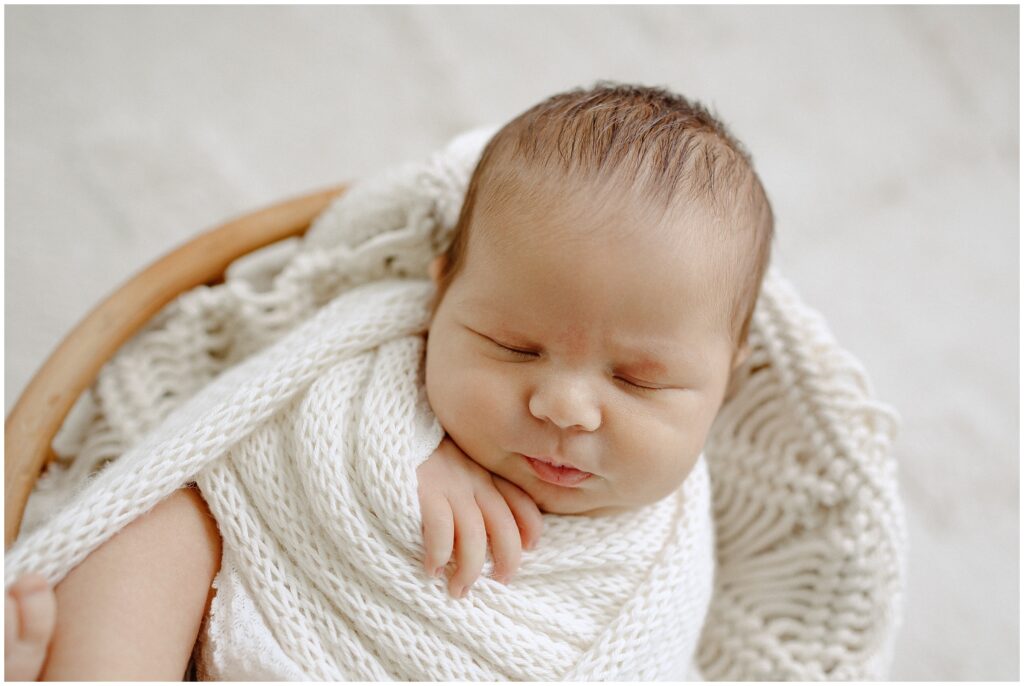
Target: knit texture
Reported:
point(809, 531)
point(336, 563)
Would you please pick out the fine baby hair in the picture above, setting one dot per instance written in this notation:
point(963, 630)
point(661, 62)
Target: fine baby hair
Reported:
point(645, 141)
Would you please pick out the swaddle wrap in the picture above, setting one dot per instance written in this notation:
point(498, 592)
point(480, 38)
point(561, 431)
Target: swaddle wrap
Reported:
point(306, 455)
point(621, 597)
point(808, 527)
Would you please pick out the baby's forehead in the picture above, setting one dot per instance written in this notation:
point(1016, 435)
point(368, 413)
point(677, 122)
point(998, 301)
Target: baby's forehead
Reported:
point(560, 211)
point(604, 229)
point(574, 228)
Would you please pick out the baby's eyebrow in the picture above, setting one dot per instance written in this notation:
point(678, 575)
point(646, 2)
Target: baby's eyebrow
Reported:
point(662, 357)
point(645, 365)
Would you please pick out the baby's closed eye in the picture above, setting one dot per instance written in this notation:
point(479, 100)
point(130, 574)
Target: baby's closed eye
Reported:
point(638, 384)
point(527, 354)
point(523, 352)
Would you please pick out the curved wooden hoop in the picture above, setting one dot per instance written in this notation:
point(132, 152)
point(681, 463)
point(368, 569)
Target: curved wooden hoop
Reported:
point(74, 365)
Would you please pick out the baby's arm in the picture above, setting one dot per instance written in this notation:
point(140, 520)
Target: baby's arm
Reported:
point(463, 505)
point(133, 608)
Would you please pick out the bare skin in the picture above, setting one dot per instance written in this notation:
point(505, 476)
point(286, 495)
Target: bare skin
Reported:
point(464, 506)
point(133, 608)
point(30, 612)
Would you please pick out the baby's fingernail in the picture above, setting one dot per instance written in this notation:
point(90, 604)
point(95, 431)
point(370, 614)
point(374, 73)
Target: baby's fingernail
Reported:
point(464, 592)
point(438, 572)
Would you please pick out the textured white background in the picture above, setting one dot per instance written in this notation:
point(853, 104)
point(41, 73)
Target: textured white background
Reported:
point(887, 138)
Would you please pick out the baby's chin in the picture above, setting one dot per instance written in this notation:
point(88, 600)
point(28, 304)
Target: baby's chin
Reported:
point(586, 510)
point(565, 501)
point(586, 504)
point(605, 511)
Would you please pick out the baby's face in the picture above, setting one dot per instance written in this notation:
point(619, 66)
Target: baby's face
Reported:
point(583, 366)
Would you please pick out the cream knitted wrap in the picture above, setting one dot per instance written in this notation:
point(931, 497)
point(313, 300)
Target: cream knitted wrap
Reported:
point(809, 532)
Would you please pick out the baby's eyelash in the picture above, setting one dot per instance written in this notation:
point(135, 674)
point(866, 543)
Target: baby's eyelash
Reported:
point(522, 353)
point(636, 386)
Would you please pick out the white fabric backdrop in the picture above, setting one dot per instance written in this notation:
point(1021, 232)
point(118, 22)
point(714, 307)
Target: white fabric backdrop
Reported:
point(887, 138)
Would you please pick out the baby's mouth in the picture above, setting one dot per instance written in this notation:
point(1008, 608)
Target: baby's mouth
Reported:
point(568, 477)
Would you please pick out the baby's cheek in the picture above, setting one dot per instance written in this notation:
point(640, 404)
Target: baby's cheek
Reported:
point(483, 399)
point(442, 378)
point(666, 454)
point(465, 399)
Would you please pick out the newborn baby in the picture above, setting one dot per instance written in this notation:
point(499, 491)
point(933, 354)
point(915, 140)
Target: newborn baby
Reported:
point(589, 312)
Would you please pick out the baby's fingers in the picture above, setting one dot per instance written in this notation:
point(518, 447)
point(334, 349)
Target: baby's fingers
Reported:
point(470, 547)
point(502, 533)
point(438, 534)
point(524, 509)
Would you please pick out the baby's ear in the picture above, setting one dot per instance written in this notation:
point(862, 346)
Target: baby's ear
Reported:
point(738, 358)
point(741, 355)
point(436, 268)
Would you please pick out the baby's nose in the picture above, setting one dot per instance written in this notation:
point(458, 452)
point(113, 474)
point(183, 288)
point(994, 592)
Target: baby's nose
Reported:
point(567, 404)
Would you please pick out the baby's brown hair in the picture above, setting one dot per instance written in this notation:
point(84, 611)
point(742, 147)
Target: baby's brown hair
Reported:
point(654, 142)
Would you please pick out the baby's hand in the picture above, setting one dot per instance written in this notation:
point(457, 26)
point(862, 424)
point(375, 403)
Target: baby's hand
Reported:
point(463, 505)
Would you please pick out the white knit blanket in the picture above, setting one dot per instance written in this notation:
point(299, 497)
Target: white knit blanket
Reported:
point(303, 366)
point(307, 455)
point(321, 526)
